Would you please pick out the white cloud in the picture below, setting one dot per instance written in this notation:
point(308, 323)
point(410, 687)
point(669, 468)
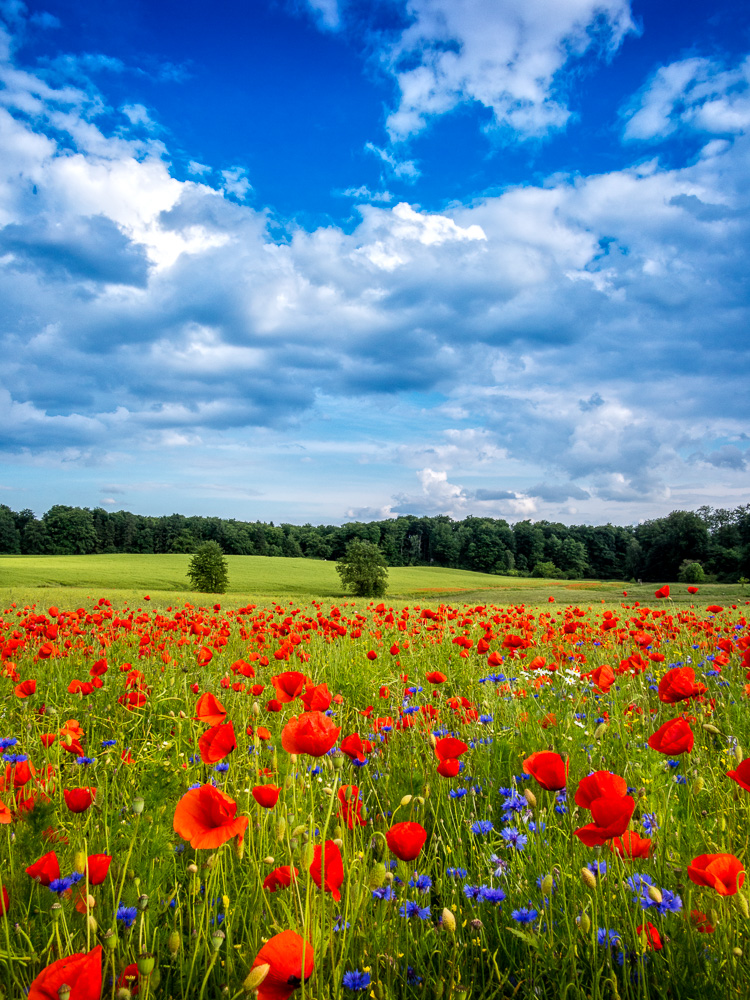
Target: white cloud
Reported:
point(504, 56)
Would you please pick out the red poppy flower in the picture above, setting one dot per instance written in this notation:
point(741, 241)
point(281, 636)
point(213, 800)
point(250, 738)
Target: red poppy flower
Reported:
point(327, 869)
point(81, 972)
point(678, 684)
point(351, 806)
point(312, 733)
point(384, 692)
point(662, 591)
point(372, 655)
point(548, 769)
point(289, 685)
point(45, 870)
point(207, 817)
point(316, 699)
point(693, 590)
point(217, 743)
point(274, 705)
point(673, 738)
point(603, 677)
point(210, 710)
point(449, 747)
point(128, 979)
point(722, 872)
point(266, 795)
point(631, 846)
point(352, 746)
point(48, 739)
point(741, 774)
point(701, 922)
point(600, 784)
point(449, 768)
point(280, 878)
point(4, 901)
point(714, 609)
point(406, 840)
point(205, 655)
point(98, 867)
point(26, 688)
point(240, 667)
point(291, 960)
point(79, 799)
point(651, 934)
point(436, 677)
point(611, 818)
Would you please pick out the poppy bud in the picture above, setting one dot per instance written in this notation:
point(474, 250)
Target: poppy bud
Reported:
point(743, 905)
point(547, 885)
point(173, 942)
point(600, 730)
point(439, 989)
point(256, 976)
point(449, 921)
point(655, 894)
point(256, 708)
point(79, 861)
point(722, 823)
point(584, 923)
point(92, 924)
point(280, 829)
point(288, 782)
point(308, 854)
point(698, 785)
point(530, 797)
point(138, 805)
point(377, 875)
point(268, 860)
point(182, 715)
point(406, 800)
point(193, 869)
point(738, 753)
point(327, 790)
point(239, 845)
point(338, 833)
point(339, 842)
point(145, 963)
point(589, 878)
point(710, 729)
point(737, 952)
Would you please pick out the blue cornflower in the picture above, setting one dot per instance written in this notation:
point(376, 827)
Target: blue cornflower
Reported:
point(85, 761)
point(127, 915)
point(482, 826)
point(673, 763)
point(597, 867)
point(421, 882)
point(607, 938)
point(7, 742)
point(109, 743)
point(384, 892)
point(670, 903)
point(514, 838)
point(457, 793)
point(196, 785)
point(501, 865)
point(525, 915)
point(456, 872)
point(650, 822)
point(341, 924)
point(485, 719)
point(680, 779)
point(60, 885)
point(411, 977)
point(472, 891)
point(412, 909)
point(356, 980)
point(222, 767)
point(490, 894)
point(75, 877)
point(410, 710)
point(514, 803)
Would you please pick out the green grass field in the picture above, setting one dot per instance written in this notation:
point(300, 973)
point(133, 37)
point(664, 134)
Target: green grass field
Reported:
point(127, 578)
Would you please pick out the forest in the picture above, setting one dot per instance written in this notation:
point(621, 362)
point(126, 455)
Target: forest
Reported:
point(692, 546)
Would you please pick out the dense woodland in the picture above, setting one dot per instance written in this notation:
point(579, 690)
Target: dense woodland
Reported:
point(662, 549)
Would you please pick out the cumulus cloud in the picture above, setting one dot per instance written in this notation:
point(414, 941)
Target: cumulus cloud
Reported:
point(506, 57)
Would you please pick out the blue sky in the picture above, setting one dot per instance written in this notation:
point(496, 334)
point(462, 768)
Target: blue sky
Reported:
point(316, 260)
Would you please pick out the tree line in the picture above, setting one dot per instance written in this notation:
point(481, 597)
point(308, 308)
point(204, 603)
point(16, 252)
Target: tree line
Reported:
point(691, 545)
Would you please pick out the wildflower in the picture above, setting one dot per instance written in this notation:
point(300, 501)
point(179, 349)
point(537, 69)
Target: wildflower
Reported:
point(490, 894)
point(385, 892)
point(266, 795)
point(472, 891)
point(412, 909)
point(291, 961)
point(722, 872)
point(548, 769)
point(79, 799)
point(607, 938)
point(525, 915)
point(421, 882)
point(456, 872)
point(650, 822)
point(81, 972)
point(45, 870)
point(60, 885)
point(482, 826)
point(312, 733)
point(406, 840)
point(356, 980)
point(280, 878)
point(327, 869)
point(514, 838)
point(127, 915)
point(650, 936)
point(673, 738)
point(206, 818)
point(217, 742)
point(210, 710)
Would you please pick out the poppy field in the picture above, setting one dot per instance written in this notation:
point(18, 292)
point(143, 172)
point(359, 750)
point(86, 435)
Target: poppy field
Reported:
point(333, 799)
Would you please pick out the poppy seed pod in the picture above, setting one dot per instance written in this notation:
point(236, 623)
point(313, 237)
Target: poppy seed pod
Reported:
point(255, 977)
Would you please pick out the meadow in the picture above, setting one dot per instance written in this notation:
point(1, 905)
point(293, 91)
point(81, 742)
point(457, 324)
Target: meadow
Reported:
point(213, 797)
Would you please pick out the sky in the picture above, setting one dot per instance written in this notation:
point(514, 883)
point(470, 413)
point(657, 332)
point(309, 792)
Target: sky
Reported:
point(332, 260)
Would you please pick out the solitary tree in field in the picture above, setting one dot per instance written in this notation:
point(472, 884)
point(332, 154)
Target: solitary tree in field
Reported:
point(208, 569)
point(363, 569)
